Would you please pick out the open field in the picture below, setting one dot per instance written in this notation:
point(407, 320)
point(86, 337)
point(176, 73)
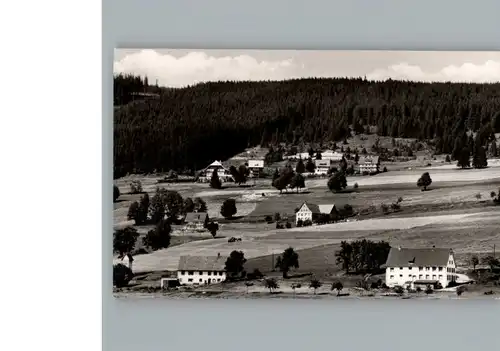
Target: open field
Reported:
point(468, 232)
point(448, 215)
point(449, 186)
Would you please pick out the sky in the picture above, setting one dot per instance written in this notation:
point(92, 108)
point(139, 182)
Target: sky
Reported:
point(179, 68)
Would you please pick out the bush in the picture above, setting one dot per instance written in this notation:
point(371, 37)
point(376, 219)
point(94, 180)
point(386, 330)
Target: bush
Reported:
point(277, 216)
point(228, 208)
point(268, 219)
point(356, 185)
point(122, 275)
point(385, 169)
point(384, 208)
point(279, 226)
point(300, 223)
point(452, 284)
point(428, 290)
point(136, 187)
point(307, 223)
point(399, 290)
point(419, 289)
point(288, 225)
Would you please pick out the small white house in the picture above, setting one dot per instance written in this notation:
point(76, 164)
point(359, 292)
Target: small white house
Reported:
point(311, 212)
point(201, 270)
point(420, 267)
point(322, 166)
point(256, 167)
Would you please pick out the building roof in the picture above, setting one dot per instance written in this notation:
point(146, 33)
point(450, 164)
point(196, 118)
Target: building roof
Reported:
point(404, 257)
point(369, 160)
point(317, 209)
point(196, 217)
point(202, 263)
point(215, 164)
point(326, 208)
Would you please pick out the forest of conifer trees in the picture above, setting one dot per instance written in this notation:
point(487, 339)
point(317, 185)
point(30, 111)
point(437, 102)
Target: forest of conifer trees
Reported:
point(190, 127)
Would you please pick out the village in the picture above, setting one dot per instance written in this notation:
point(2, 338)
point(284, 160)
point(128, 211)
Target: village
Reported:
point(332, 222)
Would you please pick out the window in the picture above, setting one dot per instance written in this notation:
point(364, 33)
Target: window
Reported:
point(391, 277)
point(434, 276)
point(426, 276)
point(427, 269)
point(190, 280)
point(401, 268)
point(409, 268)
point(190, 273)
point(440, 269)
point(401, 276)
point(420, 268)
point(182, 273)
point(440, 276)
point(434, 268)
point(209, 273)
point(201, 280)
point(220, 273)
point(392, 269)
point(420, 276)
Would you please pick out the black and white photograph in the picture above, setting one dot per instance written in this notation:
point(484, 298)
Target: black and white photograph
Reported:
point(306, 174)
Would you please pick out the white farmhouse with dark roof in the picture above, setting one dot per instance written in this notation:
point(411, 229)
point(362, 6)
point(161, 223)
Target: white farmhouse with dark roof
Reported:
point(200, 270)
point(223, 173)
point(420, 267)
point(311, 212)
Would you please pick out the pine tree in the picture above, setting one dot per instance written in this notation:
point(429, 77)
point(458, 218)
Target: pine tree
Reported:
point(464, 158)
point(479, 159)
point(310, 166)
point(300, 167)
point(457, 148)
point(215, 181)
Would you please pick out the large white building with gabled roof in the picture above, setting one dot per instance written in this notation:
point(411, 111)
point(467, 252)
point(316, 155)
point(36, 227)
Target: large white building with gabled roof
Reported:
point(223, 173)
point(409, 267)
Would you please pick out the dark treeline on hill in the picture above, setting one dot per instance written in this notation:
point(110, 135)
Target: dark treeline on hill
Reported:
point(125, 85)
point(190, 127)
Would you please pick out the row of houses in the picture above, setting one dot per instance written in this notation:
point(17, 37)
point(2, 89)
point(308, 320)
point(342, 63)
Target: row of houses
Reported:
point(325, 155)
point(366, 164)
point(405, 267)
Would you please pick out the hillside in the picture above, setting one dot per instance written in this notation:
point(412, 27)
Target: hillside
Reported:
point(188, 128)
